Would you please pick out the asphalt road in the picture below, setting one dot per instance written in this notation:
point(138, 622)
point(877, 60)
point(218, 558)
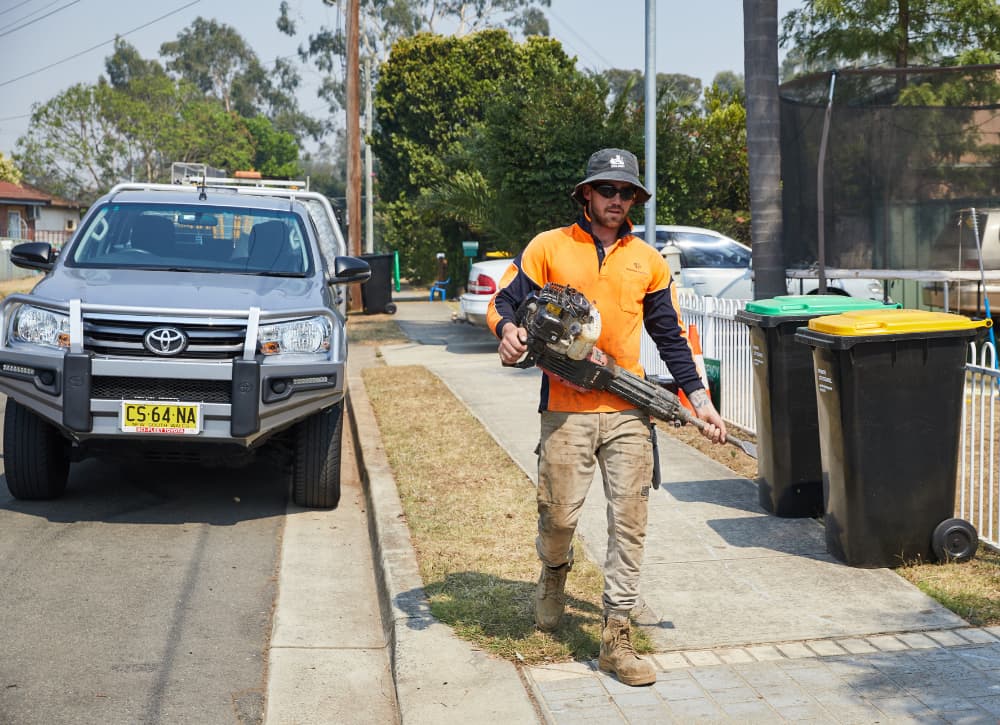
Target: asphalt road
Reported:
point(143, 595)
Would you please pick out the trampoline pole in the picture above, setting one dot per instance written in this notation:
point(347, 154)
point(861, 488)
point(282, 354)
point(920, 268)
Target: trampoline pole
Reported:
point(982, 278)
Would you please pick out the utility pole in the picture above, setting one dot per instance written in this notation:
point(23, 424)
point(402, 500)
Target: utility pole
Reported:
point(353, 144)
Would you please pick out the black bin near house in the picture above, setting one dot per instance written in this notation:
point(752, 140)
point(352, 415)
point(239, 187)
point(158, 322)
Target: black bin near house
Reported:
point(376, 293)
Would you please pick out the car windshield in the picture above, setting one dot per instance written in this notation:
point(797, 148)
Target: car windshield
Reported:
point(705, 250)
point(195, 238)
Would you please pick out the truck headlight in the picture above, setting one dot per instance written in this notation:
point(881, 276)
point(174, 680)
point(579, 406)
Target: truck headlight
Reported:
point(41, 327)
point(303, 336)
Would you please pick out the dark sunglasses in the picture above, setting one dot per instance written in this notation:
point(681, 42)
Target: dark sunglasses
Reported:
point(608, 191)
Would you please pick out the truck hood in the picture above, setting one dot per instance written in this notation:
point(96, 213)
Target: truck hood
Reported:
point(185, 290)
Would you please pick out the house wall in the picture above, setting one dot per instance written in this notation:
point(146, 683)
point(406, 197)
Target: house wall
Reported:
point(56, 225)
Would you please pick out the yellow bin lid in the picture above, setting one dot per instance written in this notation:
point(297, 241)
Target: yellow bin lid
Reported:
point(888, 321)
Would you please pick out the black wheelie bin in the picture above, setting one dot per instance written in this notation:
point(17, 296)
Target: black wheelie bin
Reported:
point(376, 293)
point(790, 475)
point(889, 387)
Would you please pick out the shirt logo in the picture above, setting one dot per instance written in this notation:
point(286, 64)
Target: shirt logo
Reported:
point(617, 162)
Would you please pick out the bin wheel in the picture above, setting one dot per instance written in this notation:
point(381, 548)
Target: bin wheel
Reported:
point(390, 309)
point(955, 540)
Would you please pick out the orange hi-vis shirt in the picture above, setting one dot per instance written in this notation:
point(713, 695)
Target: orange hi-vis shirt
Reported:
point(629, 284)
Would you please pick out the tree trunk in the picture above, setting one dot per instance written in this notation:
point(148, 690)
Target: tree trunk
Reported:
point(760, 43)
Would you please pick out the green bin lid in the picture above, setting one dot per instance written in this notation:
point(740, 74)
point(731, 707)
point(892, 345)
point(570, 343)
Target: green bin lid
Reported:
point(784, 309)
point(813, 305)
point(866, 323)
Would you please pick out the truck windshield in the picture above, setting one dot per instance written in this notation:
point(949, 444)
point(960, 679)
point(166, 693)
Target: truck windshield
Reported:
point(197, 238)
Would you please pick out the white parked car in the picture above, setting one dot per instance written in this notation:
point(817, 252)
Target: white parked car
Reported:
point(484, 281)
point(713, 265)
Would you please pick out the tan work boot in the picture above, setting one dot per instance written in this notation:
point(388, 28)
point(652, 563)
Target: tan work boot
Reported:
point(618, 656)
point(549, 597)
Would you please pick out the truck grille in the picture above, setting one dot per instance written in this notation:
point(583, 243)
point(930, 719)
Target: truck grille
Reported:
point(111, 387)
point(105, 335)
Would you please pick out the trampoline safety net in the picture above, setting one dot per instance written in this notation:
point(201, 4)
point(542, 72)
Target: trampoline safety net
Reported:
point(909, 152)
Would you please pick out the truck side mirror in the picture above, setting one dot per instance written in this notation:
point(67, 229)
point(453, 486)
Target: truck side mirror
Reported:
point(33, 255)
point(349, 270)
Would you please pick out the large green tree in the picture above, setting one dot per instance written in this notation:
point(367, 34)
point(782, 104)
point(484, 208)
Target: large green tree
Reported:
point(276, 153)
point(673, 89)
point(536, 135)
point(134, 123)
point(9, 171)
point(702, 165)
point(216, 58)
point(221, 64)
point(73, 148)
point(898, 33)
point(477, 137)
point(483, 138)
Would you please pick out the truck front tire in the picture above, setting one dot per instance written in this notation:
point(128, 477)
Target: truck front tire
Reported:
point(316, 458)
point(36, 459)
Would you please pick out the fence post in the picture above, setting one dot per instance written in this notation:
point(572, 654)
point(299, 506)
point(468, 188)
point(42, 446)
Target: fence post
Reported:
point(708, 345)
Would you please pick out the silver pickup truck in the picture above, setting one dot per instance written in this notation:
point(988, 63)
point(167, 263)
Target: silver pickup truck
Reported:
point(180, 323)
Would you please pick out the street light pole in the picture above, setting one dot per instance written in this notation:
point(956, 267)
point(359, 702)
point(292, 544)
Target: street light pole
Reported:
point(354, 218)
point(369, 202)
point(651, 119)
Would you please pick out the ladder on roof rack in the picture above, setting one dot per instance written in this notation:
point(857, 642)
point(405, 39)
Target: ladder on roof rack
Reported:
point(302, 185)
point(195, 174)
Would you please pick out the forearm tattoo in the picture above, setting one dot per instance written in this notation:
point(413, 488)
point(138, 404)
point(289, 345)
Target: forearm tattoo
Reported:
point(699, 399)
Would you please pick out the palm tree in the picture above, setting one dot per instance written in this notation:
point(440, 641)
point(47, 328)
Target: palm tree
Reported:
point(760, 58)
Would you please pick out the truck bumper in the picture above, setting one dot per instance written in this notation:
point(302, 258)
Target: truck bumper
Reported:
point(247, 400)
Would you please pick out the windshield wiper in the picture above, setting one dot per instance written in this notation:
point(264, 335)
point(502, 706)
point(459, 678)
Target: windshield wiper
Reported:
point(276, 274)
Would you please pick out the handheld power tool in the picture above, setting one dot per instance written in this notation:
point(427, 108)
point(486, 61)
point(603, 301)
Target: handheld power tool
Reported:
point(562, 329)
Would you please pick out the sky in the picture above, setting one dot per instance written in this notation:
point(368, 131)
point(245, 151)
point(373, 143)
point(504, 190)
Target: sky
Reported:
point(49, 45)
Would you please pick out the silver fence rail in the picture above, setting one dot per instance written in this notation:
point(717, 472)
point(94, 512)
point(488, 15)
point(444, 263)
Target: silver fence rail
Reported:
point(728, 341)
point(723, 339)
point(977, 493)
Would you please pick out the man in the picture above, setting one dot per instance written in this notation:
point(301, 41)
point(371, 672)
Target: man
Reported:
point(630, 284)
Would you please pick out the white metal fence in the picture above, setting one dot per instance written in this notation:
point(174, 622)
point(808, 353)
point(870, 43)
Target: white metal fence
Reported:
point(723, 339)
point(977, 467)
point(7, 269)
point(728, 341)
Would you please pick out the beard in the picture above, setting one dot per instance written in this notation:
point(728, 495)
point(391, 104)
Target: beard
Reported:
point(611, 216)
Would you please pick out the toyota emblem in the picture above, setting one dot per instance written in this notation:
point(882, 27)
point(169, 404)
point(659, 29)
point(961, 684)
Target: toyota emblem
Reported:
point(165, 341)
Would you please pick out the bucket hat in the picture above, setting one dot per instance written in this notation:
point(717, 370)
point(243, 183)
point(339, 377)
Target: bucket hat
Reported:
point(613, 165)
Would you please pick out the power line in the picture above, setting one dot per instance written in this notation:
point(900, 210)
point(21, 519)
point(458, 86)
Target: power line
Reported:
point(588, 46)
point(15, 7)
point(95, 47)
point(15, 21)
point(32, 22)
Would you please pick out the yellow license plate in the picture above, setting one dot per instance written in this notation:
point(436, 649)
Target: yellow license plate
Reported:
point(140, 416)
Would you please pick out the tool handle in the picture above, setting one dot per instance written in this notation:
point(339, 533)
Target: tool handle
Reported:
point(732, 440)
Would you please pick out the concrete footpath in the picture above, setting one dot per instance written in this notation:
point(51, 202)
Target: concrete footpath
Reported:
point(751, 618)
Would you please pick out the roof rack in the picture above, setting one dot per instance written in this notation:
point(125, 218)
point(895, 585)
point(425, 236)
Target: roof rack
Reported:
point(301, 185)
point(197, 174)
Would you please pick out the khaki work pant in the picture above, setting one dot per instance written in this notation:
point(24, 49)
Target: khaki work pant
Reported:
point(571, 445)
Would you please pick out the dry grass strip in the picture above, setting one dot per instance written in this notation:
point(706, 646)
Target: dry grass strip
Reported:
point(472, 516)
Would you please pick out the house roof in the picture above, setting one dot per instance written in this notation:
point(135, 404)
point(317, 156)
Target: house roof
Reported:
point(21, 194)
